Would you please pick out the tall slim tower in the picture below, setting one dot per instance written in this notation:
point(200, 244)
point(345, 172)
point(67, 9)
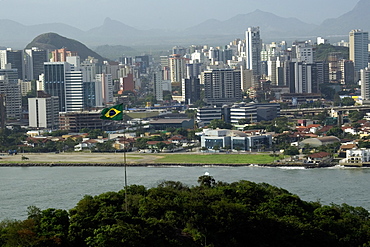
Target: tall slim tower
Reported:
point(177, 68)
point(365, 83)
point(253, 50)
point(358, 48)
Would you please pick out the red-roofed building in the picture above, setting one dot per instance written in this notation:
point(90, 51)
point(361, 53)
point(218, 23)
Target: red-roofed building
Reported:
point(319, 158)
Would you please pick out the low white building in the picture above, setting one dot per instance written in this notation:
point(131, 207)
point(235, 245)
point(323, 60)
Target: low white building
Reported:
point(356, 157)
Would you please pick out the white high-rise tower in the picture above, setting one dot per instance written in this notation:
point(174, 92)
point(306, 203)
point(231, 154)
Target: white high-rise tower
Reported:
point(253, 50)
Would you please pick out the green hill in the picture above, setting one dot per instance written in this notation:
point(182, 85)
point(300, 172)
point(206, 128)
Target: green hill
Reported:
point(53, 41)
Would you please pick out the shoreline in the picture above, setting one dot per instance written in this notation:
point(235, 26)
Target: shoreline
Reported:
point(24, 164)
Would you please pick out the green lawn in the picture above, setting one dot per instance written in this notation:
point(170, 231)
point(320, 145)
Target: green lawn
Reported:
point(220, 158)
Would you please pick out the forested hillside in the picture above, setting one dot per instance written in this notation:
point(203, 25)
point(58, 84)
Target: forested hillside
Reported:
point(211, 214)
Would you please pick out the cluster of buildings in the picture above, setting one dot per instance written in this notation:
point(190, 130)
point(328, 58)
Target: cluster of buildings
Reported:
point(70, 89)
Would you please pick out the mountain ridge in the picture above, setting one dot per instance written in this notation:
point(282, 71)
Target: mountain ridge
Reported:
point(273, 28)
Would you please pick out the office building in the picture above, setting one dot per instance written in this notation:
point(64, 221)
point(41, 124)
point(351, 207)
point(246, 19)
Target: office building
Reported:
point(191, 90)
point(302, 78)
point(60, 80)
point(76, 121)
point(34, 62)
point(358, 49)
point(12, 59)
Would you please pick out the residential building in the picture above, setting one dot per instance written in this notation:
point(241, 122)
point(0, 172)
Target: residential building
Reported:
point(253, 50)
point(10, 94)
point(365, 83)
point(356, 157)
point(60, 55)
point(177, 68)
point(222, 86)
point(44, 111)
point(104, 89)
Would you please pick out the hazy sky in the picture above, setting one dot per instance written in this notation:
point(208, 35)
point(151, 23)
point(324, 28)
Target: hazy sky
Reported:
point(163, 14)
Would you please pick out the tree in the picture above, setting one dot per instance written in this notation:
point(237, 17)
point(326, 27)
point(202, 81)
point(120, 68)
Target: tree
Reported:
point(355, 116)
point(335, 131)
point(219, 124)
point(347, 101)
point(161, 145)
point(244, 121)
point(291, 151)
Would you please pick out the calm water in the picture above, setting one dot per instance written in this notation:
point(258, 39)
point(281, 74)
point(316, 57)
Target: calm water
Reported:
point(63, 187)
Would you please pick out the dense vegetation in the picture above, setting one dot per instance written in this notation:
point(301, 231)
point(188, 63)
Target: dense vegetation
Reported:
point(211, 214)
point(324, 50)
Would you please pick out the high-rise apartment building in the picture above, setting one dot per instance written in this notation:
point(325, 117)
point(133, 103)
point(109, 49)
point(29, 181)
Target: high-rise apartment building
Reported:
point(60, 55)
point(358, 48)
point(222, 86)
point(104, 89)
point(11, 93)
point(177, 68)
point(365, 83)
point(44, 111)
point(253, 50)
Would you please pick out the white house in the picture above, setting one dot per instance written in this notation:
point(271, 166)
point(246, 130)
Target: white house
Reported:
point(356, 157)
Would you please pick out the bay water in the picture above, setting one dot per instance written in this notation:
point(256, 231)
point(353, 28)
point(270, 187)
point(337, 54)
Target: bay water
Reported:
point(63, 187)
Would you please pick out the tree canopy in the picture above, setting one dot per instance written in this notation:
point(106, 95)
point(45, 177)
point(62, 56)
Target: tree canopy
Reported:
point(213, 213)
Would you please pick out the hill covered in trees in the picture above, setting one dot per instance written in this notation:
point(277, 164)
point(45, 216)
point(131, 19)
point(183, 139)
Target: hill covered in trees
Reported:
point(211, 214)
point(53, 41)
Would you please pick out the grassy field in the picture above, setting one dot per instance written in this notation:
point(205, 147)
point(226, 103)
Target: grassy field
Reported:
point(215, 158)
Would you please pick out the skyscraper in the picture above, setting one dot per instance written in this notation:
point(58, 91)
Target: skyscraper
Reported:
point(60, 80)
point(12, 59)
point(34, 62)
point(253, 50)
point(358, 48)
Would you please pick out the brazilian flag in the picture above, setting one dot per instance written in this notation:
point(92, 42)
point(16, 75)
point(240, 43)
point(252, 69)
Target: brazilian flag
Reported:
point(112, 113)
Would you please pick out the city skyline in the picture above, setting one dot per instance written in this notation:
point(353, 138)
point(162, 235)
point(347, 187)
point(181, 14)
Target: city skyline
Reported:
point(146, 14)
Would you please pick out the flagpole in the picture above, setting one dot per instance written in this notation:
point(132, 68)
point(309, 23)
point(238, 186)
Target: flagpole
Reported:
point(125, 164)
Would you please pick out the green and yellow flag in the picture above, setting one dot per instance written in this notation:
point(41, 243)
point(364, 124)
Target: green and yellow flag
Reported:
point(112, 113)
